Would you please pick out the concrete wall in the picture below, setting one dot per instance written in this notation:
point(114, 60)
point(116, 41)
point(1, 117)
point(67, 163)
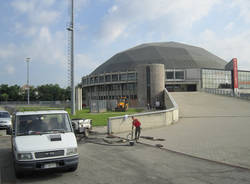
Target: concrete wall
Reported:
point(148, 120)
point(168, 100)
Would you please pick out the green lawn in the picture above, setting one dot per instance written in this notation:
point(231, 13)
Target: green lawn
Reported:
point(101, 119)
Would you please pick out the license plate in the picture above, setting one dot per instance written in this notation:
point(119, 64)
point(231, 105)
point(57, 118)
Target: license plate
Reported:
point(49, 165)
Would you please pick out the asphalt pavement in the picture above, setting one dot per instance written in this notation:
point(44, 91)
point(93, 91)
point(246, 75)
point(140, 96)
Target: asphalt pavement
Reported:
point(118, 163)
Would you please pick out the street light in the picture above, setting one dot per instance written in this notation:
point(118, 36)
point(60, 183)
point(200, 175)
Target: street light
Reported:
point(28, 91)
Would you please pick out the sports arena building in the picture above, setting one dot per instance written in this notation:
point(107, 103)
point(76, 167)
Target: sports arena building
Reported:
point(138, 72)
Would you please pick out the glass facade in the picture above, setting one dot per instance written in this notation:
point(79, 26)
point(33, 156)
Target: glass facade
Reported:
point(244, 79)
point(216, 79)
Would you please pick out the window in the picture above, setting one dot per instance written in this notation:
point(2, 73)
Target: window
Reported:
point(115, 77)
point(101, 79)
point(170, 75)
point(116, 87)
point(91, 80)
point(123, 77)
point(131, 76)
point(107, 78)
point(131, 87)
point(179, 75)
point(96, 79)
point(42, 123)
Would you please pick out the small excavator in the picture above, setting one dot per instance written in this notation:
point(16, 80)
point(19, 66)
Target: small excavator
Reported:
point(122, 104)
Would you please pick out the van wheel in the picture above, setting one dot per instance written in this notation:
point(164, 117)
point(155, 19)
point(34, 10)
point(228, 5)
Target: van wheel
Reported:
point(73, 168)
point(86, 132)
point(19, 174)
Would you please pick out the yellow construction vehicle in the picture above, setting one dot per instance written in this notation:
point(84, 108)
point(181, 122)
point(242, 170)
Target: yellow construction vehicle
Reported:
point(122, 104)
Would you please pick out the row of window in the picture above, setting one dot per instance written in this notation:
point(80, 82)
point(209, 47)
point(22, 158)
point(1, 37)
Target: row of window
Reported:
point(110, 78)
point(113, 97)
point(113, 87)
point(175, 75)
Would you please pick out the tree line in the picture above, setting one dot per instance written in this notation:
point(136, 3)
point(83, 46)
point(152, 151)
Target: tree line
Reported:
point(47, 92)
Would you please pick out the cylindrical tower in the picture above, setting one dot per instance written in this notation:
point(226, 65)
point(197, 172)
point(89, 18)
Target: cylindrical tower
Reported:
point(150, 83)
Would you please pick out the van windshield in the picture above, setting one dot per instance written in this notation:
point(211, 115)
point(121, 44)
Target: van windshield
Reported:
point(42, 124)
point(4, 115)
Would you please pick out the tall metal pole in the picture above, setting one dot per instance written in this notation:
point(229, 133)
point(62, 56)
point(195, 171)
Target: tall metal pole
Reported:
point(71, 29)
point(28, 90)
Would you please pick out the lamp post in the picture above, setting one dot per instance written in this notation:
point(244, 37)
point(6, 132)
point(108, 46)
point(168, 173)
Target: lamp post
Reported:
point(28, 90)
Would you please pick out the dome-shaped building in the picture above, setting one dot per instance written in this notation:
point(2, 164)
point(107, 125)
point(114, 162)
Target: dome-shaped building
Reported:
point(173, 55)
point(182, 71)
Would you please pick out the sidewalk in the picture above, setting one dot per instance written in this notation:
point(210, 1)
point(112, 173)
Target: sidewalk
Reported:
point(218, 130)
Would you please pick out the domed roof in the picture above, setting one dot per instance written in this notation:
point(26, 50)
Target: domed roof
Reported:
point(173, 55)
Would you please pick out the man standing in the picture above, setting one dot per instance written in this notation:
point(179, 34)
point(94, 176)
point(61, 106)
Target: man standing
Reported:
point(137, 125)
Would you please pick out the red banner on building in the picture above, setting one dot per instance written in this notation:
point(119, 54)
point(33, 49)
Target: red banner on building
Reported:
point(235, 72)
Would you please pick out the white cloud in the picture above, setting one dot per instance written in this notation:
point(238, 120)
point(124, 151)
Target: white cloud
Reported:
point(243, 7)
point(83, 64)
point(7, 51)
point(112, 30)
point(228, 47)
point(37, 11)
point(79, 4)
point(44, 35)
point(10, 69)
point(48, 2)
point(177, 15)
point(24, 5)
point(26, 31)
point(113, 9)
point(229, 27)
point(44, 17)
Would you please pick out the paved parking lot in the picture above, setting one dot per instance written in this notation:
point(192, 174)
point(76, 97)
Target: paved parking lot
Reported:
point(102, 163)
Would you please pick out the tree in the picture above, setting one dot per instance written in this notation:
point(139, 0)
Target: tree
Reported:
point(4, 97)
point(47, 92)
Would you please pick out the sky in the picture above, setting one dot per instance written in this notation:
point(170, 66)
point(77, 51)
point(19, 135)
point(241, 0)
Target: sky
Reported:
point(37, 29)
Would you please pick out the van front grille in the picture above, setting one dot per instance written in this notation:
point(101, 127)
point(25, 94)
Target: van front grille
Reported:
point(49, 154)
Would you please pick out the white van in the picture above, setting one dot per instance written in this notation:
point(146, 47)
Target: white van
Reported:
point(43, 140)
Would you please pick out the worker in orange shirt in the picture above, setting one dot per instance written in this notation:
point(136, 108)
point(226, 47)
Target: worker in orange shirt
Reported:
point(137, 124)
